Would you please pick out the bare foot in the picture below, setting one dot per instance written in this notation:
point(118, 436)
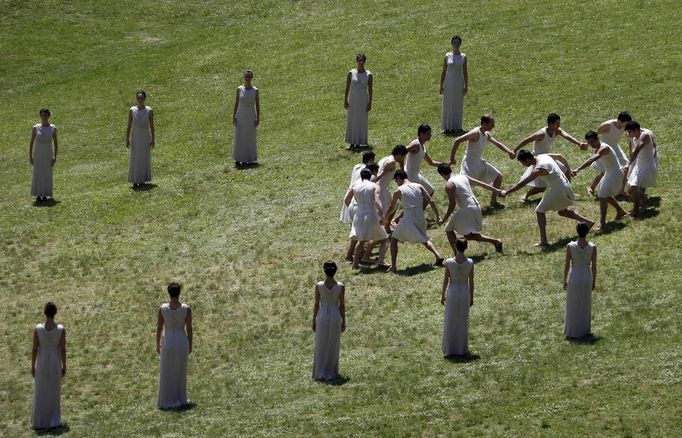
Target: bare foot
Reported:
point(600, 227)
point(439, 261)
point(620, 216)
point(541, 244)
point(498, 246)
point(349, 261)
point(524, 199)
point(368, 262)
point(590, 191)
point(633, 213)
point(392, 269)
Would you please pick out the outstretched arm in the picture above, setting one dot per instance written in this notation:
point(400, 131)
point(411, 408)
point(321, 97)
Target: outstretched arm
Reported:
point(538, 136)
point(450, 189)
point(536, 173)
point(572, 139)
point(430, 161)
point(482, 184)
point(600, 153)
point(469, 136)
point(501, 146)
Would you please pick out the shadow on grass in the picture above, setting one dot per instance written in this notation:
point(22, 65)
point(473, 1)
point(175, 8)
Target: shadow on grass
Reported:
point(465, 358)
point(648, 214)
point(188, 407)
point(479, 258)
point(371, 269)
point(143, 187)
point(359, 149)
point(487, 211)
point(338, 381)
point(64, 428)
point(246, 166)
point(587, 340)
point(611, 227)
point(47, 203)
point(455, 133)
point(654, 201)
point(419, 269)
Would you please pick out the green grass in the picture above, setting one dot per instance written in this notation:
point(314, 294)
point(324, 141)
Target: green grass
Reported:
point(248, 245)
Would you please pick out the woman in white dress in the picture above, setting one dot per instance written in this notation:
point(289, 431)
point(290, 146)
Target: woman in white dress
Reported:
point(358, 103)
point(454, 81)
point(329, 321)
point(580, 276)
point(42, 154)
point(611, 183)
point(48, 367)
point(141, 142)
point(246, 118)
point(611, 131)
point(175, 322)
point(457, 296)
point(642, 165)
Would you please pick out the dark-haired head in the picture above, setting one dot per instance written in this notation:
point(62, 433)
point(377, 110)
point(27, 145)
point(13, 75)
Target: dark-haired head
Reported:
point(365, 174)
point(486, 118)
point(457, 39)
point(174, 290)
point(361, 58)
point(591, 135)
point(553, 118)
point(368, 156)
point(423, 129)
point(44, 111)
point(373, 168)
point(524, 155)
point(582, 228)
point(248, 74)
point(632, 126)
point(400, 175)
point(140, 94)
point(50, 309)
point(399, 149)
point(624, 117)
point(461, 245)
point(444, 169)
point(329, 268)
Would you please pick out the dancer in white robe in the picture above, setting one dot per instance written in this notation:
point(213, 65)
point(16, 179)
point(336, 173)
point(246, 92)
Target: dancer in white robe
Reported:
point(642, 166)
point(454, 82)
point(580, 278)
point(457, 295)
point(416, 154)
point(42, 154)
point(611, 131)
point(329, 321)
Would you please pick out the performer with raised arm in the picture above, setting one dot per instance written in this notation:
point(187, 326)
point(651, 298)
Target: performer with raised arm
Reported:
point(642, 164)
point(611, 131)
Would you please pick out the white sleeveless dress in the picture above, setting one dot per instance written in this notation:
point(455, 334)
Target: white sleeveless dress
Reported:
point(560, 194)
point(468, 218)
point(453, 93)
point(579, 292)
point(327, 333)
point(41, 179)
point(644, 171)
point(385, 181)
point(612, 182)
point(366, 220)
point(346, 216)
point(140, 166)
point(457, 304)
point(244, 149)
point(174, 357)
point(48, 380)
point(413, 164)
point(611, 138)
point(357, 117)
point(540, 147)
point(473, 163)
point(412, 226)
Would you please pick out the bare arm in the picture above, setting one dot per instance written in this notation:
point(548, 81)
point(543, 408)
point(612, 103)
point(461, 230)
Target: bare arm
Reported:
point(538, 136)
point(429, 200)
point(257, 108)
point(34, 352)
point(188, 328)
point(349, 197)
point(236, 106)
point(442, 74)
point(634, 152)
point(465, 70)
point(130, 126)
point(567, 266)
point(316, 306)
point(55, 146)
point(501, 146)
point(469, 136)
point(159, 329)
point(30, 145)
point(471, 286)
point(560, 158)
point(377, 201)
point(604, 128)
point(450, 189)
point(446, 281)
point(62, 351)
point(382, 170)
point(430, 160)
point(342, 308)
point(482, 184)
point(388, 215)
point(345, 93)
point(370, 87)
point(151, 127)
point(594, 268)
point(572, 139)
point(600, 153)
point(536, 173)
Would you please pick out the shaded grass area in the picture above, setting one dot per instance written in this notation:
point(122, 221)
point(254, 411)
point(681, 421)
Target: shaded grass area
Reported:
point(248, 243)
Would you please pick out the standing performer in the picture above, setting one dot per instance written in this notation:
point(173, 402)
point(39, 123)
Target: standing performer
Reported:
point(473, 164)
point(141, 123)
point(175, 321)
point(357, 101)
point(329, 321)
point(642, 165)
point(48, 367)
point(43, 156)
point(365, 250)
point(367, 158)
point(611, 131)
point(454, 81)
point(387, 167)
point(580, 278)
point(468, 220)
point(412, 226)
point(367, 217)
point(542, 140)
point(246, 118)
point(560, 194)
point(611, 183)
point(416, 154)
point(457, 296)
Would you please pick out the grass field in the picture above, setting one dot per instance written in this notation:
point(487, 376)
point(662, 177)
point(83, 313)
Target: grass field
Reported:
point(248, 244)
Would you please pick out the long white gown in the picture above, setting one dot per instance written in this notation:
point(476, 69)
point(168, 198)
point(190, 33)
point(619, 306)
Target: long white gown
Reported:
point(245, 130)
point(357, 117)
point(579, 292)
point(346, 216)
point(174, 357)
point(366, 220)
point(48, 380)
point(612, 182)
point(140, 166)
point(453, 93)
point(457, 304)
point(412, 226)
point(413, 164)
point(41, 177)
point(468, 218)
point(644, 171)
point(560, 194)
point(473, 163)
point(327, 333)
